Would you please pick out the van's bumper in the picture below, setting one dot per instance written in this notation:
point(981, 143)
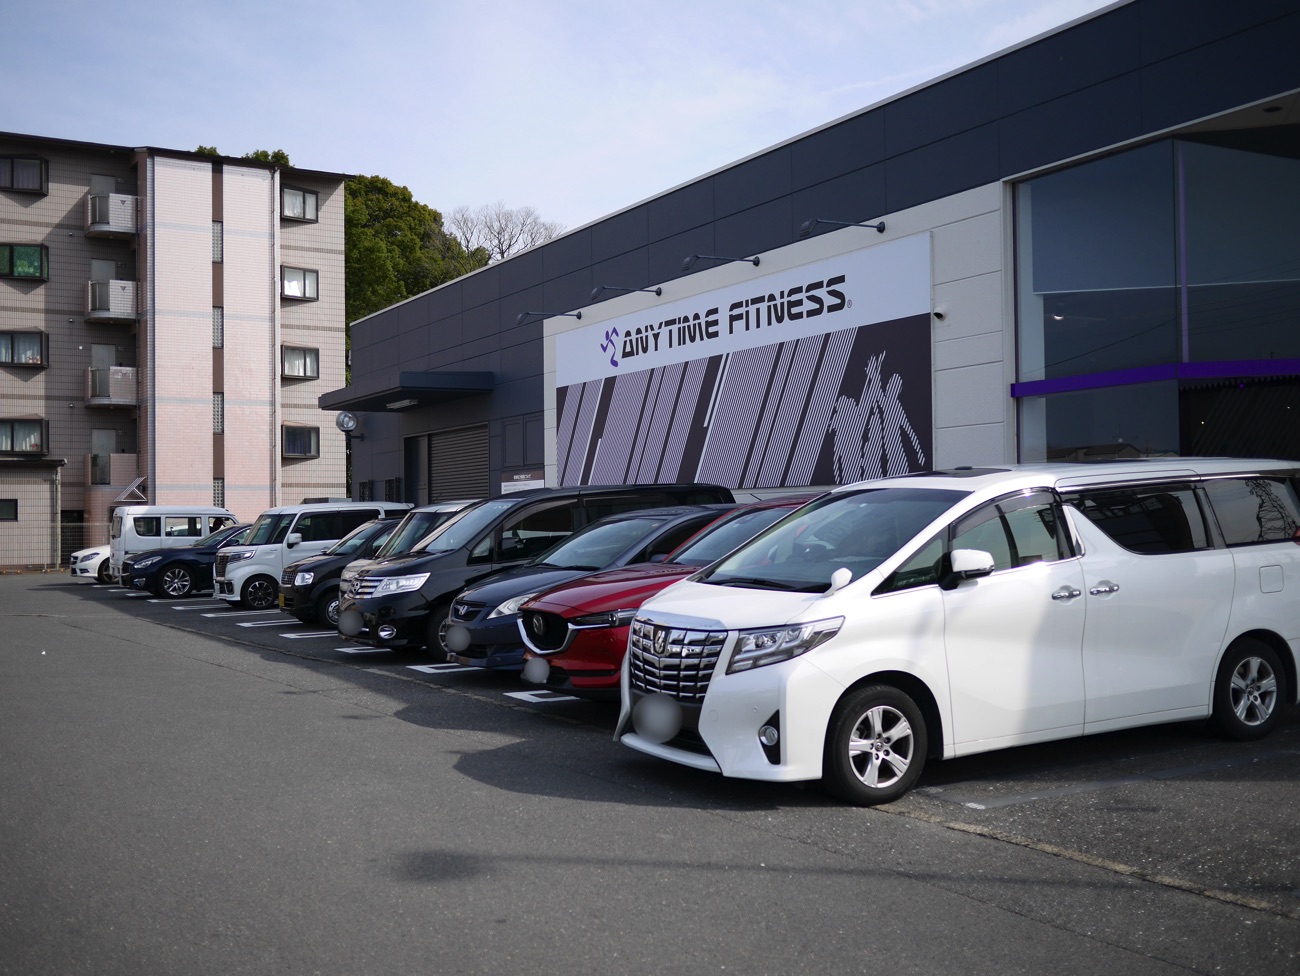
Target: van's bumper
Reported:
point(399, 623)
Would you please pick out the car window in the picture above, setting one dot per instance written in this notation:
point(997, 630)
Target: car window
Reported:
point(722, 536)
point(147, 525)
point(670, 540)
point(1017, 531)
point(1255, 510)
point(1147, 519)
point(531, 531)
point(183, 526)
point(318, 526)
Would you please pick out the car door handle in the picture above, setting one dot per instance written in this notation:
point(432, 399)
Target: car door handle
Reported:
point(1066, 593)
point(1104, 587)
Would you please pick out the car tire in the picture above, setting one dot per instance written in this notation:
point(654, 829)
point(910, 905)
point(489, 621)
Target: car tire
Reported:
point(176, 581)
point(259, 593)
point(327, 608)
point(1249, 691)
point(876, 746)
point(435, 635)
point(105, 572)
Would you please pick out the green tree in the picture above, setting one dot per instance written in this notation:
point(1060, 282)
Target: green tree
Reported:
point(208, 150)
point(396, 247)
point(277, 156)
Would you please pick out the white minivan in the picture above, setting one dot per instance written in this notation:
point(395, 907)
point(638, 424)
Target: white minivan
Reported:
point(249, 574)
point(137, 528)
point(955, 612)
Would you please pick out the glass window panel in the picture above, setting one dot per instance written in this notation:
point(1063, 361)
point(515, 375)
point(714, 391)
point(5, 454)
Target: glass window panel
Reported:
point(309, 206)
point(28, 175)
point(218, 327)
point(27, 435)
point(218, 236)
point(6, 173)
point(292, 287)
point(293, 203)
point(1096, 266)
point(1243, 253)
point(1255, 510)
point(27, 348)
point(8, 509)
point(301, 441)
point(1149, 520)
point(1114, 422)
point(293, 361)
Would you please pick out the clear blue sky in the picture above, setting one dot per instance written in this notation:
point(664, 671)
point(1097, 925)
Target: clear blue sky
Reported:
point(575, 107)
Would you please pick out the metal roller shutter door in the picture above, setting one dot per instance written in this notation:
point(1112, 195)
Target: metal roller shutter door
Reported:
point(458, 464)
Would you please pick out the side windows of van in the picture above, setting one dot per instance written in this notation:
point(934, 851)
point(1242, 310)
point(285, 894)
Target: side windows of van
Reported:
point(1148, 519)
point(1017, 531)
point(529, 532)
point(147, 526)
point(1252, 511)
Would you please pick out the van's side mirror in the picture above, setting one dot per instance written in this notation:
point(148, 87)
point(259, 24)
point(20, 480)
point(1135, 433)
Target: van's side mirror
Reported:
point(292, 539)
point(967, 564)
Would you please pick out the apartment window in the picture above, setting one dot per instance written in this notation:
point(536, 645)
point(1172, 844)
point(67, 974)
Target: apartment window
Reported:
point(24, 261)
point(298, 283)
point(22, 348)
point(297, 204)
point(8, 509)
point(219, 492)
point(25, 173)
point(301, 441)
point(303, 364)
point(218, 413)
point(218, 327)
point(218, 241)
point(22, 437)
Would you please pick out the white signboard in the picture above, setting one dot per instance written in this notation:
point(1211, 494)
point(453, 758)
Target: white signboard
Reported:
point(879, 284)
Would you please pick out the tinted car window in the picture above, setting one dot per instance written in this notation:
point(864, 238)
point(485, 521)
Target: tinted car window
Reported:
point(720, 538)
point(1018, 531)
point(1255, 510)
point(147, 525)
point(531, 532)
point(318, 526)
point(1150, 520)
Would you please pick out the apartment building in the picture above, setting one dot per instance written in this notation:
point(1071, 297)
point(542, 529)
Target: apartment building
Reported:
point(168, 320)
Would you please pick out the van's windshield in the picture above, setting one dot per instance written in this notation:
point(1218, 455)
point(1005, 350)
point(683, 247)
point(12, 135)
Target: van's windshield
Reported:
point(856, 531)
point(269, 528)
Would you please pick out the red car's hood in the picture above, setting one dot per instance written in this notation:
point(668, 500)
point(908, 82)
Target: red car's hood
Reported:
point(613, 589)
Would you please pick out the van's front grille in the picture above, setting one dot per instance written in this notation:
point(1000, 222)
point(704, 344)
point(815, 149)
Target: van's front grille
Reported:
point(287, 577)
point(673, 660)
point(364, 587)
point(222, 562)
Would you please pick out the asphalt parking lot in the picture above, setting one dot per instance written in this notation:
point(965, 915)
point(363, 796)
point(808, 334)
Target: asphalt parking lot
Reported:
point(1171, 812)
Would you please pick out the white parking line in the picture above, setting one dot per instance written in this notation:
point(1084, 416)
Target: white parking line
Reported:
point(540, 696)
point(311, 634)
point(235, 613)
point(261, 623)
point(439, 668)
point(192, 606)
point(352, 649)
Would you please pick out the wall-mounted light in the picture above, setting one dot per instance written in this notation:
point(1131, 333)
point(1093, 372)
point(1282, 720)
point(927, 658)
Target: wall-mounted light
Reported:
point(524, 316)
point(807, 226)
point(347, 422)
point(401, 404)
point(690, 261)
point(595, 292)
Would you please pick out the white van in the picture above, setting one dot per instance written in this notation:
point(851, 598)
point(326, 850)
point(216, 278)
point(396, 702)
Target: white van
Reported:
point(137, 528)
point(954, 612)
point(250, 574)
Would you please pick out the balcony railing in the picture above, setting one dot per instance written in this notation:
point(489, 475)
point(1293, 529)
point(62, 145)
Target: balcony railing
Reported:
point(110, 301)
point(111, 386)
point(110, 215)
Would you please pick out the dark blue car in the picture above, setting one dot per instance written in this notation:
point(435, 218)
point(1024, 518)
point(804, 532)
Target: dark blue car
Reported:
point(179, 571)
point(481, 628)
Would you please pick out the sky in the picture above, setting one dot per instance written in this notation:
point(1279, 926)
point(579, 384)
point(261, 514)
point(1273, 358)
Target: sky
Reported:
point(576, 108)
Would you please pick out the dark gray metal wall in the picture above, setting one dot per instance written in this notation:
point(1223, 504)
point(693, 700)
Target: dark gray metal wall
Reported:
point(1128, 72)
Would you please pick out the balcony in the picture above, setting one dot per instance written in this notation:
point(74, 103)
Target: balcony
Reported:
point(110, 215)
point(110, 301)
point(112, 386)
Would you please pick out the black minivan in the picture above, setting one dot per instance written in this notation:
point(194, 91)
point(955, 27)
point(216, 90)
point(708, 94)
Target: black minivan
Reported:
point(403, 601)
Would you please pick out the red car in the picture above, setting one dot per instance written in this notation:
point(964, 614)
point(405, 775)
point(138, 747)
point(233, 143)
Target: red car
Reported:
point(576, 633)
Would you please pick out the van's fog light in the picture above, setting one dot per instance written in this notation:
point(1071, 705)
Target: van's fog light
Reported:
point(537, 670)
point(768, 736)
point(387, 632)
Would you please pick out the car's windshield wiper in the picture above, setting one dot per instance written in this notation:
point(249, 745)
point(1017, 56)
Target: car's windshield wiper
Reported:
point(762, 584)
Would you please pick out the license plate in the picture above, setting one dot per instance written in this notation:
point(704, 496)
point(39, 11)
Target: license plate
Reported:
point(281, 601)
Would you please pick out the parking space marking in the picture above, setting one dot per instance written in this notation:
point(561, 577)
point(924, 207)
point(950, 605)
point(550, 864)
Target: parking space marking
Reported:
point(192, 606)
point(539, 697)
point(261, 623)
point(234, 613)
point(312, 634)
point(439, 668)
point(353, 649)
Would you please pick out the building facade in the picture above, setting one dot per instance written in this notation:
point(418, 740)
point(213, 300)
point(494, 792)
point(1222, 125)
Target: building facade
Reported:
point(1082, 247)
point(169, 320)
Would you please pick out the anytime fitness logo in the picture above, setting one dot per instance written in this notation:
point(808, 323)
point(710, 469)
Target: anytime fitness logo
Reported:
point(763, 311)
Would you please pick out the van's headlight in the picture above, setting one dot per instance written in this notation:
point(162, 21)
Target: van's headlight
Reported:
point(147, 562)
point(303, 579)
point(758, 648)
point(401, 584)
point(511, 606)
point(235, 555)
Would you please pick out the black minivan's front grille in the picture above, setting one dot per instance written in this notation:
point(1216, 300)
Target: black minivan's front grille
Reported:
point(672, 660)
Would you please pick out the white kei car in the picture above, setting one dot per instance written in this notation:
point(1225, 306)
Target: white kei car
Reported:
point(90, 565)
